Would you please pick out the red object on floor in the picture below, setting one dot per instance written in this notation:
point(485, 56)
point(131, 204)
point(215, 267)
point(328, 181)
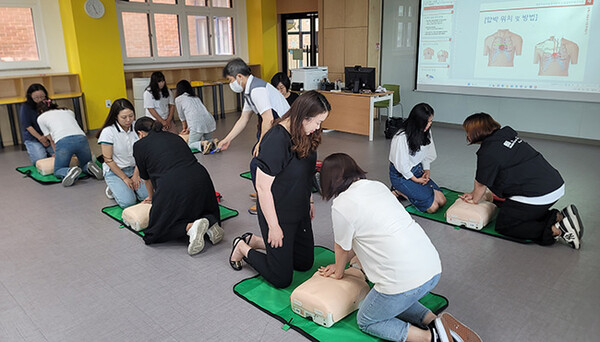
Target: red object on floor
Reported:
point(318, 165)
point(219, 197)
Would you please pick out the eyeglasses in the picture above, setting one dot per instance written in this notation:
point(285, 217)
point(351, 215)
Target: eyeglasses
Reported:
point(38, 98)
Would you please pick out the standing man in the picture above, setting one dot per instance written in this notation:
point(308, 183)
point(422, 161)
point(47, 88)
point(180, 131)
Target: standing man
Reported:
point(260, 97)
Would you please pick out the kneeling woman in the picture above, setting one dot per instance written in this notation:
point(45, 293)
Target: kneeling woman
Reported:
point(284, 177)
point(514, 170)
point(394, 251)
point(411, 153)
point(116, 139)
point(179, 188)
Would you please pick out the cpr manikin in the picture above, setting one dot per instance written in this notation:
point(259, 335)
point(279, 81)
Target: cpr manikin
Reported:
point(554, 55)
point(428, 53)
point(501, 47)
point(327, 300)
point(473, 216)
point(442, 55)
point(46, 166)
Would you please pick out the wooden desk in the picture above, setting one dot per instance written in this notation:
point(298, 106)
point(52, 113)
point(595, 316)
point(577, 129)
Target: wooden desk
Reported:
point(354, 113)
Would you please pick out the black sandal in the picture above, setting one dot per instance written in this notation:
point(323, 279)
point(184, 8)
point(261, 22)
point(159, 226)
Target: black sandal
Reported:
point(247, 237)
point(236, 265)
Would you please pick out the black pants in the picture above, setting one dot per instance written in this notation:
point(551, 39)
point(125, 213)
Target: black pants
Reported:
point(297, 253)
point(527, 221)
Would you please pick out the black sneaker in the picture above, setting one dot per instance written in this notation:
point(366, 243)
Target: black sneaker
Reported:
point(571, 212)
point(568, 233)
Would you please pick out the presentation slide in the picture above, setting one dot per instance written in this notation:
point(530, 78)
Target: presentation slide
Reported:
point(530, 48)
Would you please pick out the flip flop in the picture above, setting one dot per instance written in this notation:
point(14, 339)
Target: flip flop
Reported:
point(236, 265)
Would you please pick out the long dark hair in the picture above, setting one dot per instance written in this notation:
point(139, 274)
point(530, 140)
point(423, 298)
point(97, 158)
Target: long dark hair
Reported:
point(308, 105)
point(338, 172)
point(33, 88)
point(156, 77)
point(414, 127)
point(113, 113)
point(147, 125)
point(184, 86)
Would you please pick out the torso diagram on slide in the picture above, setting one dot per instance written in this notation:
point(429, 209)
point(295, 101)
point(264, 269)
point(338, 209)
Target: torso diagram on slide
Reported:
point(501, 47)
point(442, 55)
point(554, 56)
point(428, 53)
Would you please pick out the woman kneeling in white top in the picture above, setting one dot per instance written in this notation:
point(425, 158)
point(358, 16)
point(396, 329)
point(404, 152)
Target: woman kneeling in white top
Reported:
point(411, 153)
point(67, 139)
point(395, 253)
point(196, 120)
point(116, 138)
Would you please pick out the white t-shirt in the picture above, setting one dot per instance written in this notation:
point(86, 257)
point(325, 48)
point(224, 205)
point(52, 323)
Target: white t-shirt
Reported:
point(122, 143)
point(59, 123)
point(161, 106)
point(264, 96)
point(404, 162)
point(395, 253)
point(192, 110)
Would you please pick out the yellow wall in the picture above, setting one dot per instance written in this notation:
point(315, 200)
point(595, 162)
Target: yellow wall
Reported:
point(262, 36)
point(94, 52)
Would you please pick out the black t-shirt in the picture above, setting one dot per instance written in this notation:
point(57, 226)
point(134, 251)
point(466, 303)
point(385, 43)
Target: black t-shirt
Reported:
point(509, 166)
point(290, 99)
point(160, 152)
point(293, 176)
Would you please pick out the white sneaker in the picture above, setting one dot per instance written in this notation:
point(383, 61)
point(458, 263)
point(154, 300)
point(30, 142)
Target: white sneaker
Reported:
point(109, 193)
point(72, 176)
point(196, 234)
point(215, 233)
point(94, 170)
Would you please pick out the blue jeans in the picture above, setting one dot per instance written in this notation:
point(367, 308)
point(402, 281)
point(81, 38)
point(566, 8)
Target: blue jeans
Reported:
point(421, 196)
point(66, 148)
point(389, 316)
point(37, 151)
point(196, 137)
point(124, 196)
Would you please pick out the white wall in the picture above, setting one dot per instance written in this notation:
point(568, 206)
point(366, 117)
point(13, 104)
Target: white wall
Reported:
point(398, 66)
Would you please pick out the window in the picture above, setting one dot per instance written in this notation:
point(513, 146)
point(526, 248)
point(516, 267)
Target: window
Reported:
point(22, 44)
point(177, 30)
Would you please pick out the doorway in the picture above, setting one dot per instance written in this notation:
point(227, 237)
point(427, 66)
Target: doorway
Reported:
point(299, 35)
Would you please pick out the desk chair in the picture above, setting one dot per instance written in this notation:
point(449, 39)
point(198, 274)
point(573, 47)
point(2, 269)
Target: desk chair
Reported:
point(396, 98)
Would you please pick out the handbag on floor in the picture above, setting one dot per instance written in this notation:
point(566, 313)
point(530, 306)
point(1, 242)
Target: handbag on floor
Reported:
point(392, 126)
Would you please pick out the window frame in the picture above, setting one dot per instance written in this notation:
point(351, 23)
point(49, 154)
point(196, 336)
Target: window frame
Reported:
point(182, 11)
point(40, 37)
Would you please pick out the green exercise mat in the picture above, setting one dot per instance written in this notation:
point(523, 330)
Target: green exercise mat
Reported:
point(32, 172)
point(440, 216)
point(276, 302)
point(247, 175)
point(115, 212)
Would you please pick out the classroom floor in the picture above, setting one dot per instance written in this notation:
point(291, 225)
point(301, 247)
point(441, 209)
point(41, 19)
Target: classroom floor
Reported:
point(68, 273)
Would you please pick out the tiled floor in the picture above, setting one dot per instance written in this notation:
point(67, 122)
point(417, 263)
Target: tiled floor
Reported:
point(67, 273)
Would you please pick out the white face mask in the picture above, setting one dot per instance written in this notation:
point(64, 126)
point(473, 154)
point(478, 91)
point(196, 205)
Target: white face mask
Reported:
point(236, 87)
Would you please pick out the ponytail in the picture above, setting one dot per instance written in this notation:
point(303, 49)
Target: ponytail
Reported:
point(157, 126)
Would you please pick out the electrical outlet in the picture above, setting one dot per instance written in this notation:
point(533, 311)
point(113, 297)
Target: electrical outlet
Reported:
point(107, 103)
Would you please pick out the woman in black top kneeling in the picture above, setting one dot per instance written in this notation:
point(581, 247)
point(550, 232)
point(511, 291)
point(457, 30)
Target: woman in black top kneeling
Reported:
point(179, 188)
point(284, 179)
point(514, 170)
